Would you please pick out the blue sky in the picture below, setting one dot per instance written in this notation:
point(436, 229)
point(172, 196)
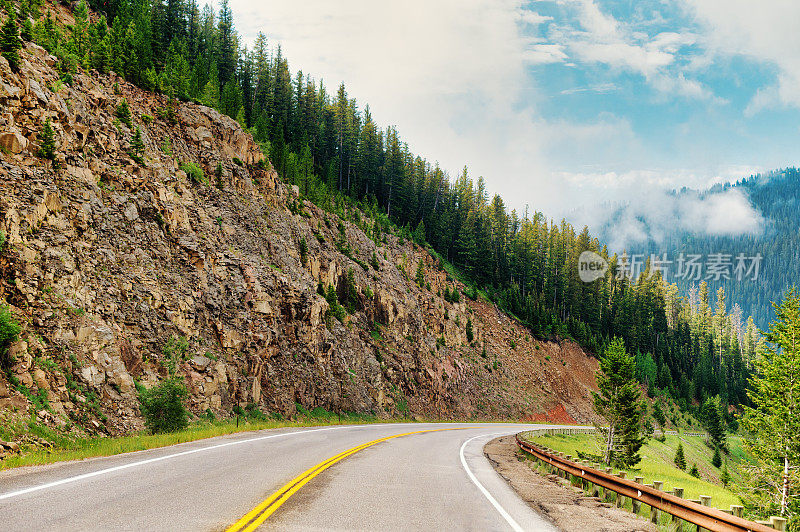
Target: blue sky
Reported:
point(652, 65)
point(565, 105)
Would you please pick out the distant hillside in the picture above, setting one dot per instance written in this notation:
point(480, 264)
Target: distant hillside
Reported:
point(777, 196)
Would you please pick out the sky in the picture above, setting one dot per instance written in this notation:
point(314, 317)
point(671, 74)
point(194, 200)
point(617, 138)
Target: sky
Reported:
point(569, 105)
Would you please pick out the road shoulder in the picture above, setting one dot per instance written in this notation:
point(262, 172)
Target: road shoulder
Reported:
point(570, 509)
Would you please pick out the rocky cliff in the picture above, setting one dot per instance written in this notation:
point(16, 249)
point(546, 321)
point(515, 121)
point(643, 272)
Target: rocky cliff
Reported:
point(121, 270)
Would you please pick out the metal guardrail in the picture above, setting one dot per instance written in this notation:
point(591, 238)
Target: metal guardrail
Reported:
point(676, 433)
point(689, 511)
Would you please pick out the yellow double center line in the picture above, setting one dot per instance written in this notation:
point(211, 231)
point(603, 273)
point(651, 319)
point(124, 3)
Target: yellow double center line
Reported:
point(260, 513)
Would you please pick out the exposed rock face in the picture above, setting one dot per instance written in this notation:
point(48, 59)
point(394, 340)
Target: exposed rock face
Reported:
point(13, 141)
point(108, 260)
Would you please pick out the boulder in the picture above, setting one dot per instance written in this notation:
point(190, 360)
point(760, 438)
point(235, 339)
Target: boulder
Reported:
point(200, 362)
point(40, 378)
point(36, 90)
point(13, 141)
point(131, 213)
point(8, 91)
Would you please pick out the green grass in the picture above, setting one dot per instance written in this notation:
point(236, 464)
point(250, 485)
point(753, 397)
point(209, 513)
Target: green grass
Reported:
point(657, 463)
point(66, 447)
point(71, 448)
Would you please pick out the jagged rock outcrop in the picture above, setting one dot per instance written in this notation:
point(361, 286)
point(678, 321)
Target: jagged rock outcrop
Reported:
point(111, 264)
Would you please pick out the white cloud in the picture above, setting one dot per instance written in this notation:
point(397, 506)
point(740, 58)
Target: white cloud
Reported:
point(540, 54)
point(607, 41)
point(766, 32)
point(671, 42)
point(679, 84)
point(623, 55)
point(601, 88)
point(602, 27)
point(531, 17)
point(451, 75)
point(728, 213)
point(764, 98)
point(633, 207)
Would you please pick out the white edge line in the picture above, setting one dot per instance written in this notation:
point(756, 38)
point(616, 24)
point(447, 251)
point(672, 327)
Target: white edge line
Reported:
point(160, 458)
point(510, 520)
point(77, 478)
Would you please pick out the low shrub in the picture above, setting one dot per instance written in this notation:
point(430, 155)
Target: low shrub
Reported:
point(9, 332)
point(194, 172)
point(162, 406)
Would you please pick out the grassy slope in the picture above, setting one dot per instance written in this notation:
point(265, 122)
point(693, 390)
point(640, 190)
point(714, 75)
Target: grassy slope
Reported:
point(657, 464)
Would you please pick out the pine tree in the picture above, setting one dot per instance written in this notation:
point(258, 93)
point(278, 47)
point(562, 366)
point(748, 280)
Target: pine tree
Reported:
point(680, 459)
point(466, 246)
point(419, 233)
point(711, 413)
point(10, 42)
point(694, 471)
point(334, 308)
point(47, 147)
point(716, 460)
point(210, 95)
point(137, 147)
point(725, 477)
point(774, 418)
point(419, 277)
point(227, 47)
point(303, 251)
point(470, 333)
point(27, 30)
point(231, 99)
point(619, 403)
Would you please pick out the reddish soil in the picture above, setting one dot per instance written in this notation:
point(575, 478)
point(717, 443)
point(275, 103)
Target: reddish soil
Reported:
point(557, 414)
point(555, 378)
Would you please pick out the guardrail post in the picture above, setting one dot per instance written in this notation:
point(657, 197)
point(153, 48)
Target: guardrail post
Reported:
point(620, 498)
point(586, 484)
point(567, 475)
point(655, 512)
point(607, 491)
point(636, 506)
point(778, 523)
point(737, 510)
point(595, 487)
point(705, 500)
point(678, 492)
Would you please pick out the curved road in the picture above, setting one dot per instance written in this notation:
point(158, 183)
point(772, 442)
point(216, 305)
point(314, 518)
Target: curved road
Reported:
point(431, 480)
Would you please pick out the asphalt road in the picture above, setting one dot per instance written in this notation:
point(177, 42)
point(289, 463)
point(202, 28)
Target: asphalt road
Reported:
point(436, 480)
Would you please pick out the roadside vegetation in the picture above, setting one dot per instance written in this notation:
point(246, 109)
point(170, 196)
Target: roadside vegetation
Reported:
point(64, 447)
point(754, 464)
point(657, 463)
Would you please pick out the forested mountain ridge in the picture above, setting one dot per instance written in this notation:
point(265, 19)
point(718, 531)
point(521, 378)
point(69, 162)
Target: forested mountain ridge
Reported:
point(337, 157)
point(145, 237)
point(776, 197)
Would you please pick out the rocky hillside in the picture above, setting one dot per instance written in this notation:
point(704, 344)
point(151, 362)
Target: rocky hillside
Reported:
point(120, 271)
